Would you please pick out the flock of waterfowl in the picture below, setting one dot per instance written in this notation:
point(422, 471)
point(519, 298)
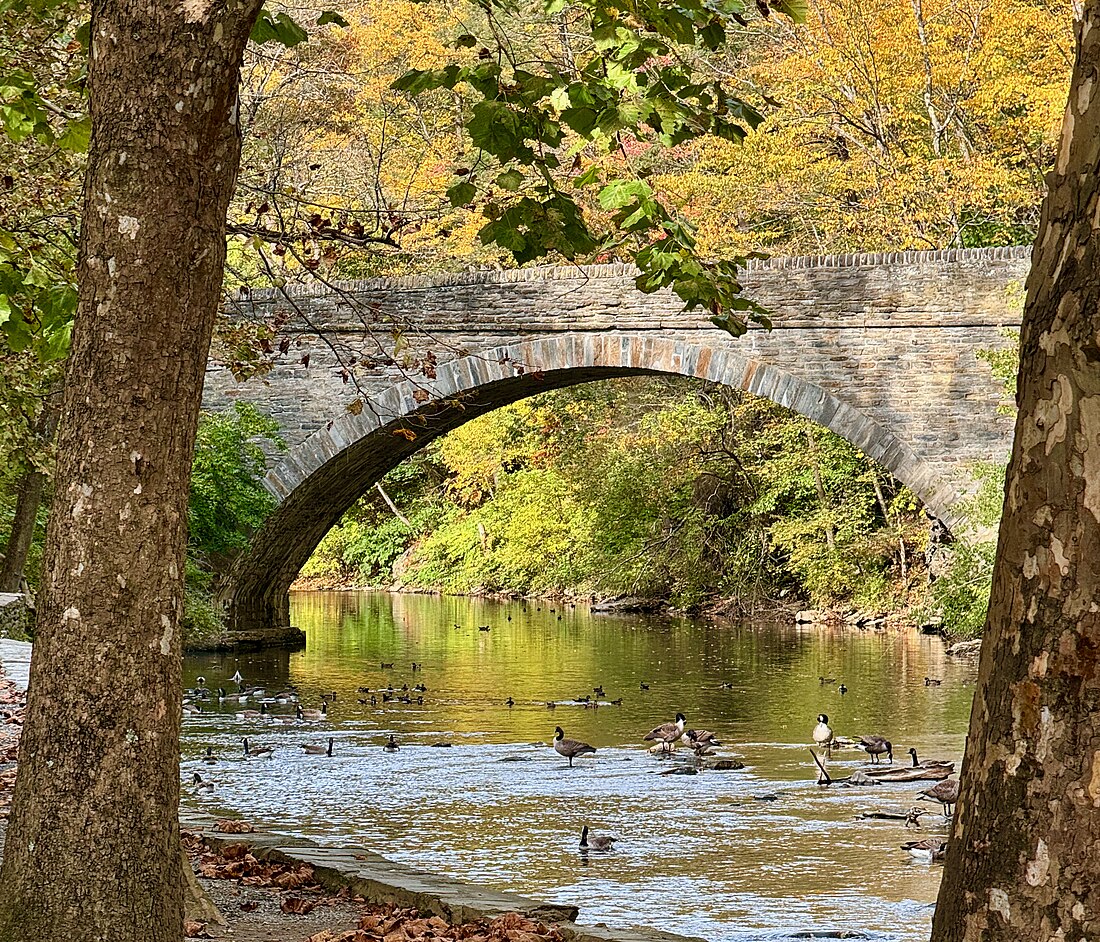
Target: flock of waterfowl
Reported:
point(945, 792)
point(665, 738)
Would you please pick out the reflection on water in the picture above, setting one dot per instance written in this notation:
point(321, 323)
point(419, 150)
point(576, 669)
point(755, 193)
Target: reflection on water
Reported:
point(754, 854)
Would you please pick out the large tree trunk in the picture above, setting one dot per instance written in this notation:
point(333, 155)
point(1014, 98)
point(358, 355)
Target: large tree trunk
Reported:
point(1024, 859)
point(31, 486)
point(92, 848)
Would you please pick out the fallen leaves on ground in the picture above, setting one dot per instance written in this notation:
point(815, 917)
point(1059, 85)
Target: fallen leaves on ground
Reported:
point(13, 702)
point(402, 925)
point(195, 930)
point(234, 827)
point(298, 905)
point(236, 862)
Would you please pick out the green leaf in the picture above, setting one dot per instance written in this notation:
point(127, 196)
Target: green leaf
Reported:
point(588, 177)
point(797, 10)
point(620, 192)
point(77, 135)
point(510, 180)
point(416, 81)
point(496, 128)
point(465, 41)
point(280, 28)
point(331, 16)
point(461, 193)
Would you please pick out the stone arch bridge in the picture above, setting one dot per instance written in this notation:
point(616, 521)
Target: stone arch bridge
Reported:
point(882, 349)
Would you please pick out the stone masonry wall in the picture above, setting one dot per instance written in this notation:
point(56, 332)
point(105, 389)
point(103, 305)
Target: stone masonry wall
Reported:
point(896, 336)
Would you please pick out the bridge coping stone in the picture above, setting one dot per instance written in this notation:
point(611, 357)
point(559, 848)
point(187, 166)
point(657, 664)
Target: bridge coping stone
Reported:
point(546, 273)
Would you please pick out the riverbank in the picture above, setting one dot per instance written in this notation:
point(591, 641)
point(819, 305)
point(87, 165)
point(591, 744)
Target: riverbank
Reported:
point(729, 609)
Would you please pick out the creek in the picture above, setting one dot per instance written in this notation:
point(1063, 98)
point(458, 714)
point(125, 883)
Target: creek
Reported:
point(757, 854)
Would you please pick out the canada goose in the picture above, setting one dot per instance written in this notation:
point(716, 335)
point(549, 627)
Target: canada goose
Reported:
point(391, 745)
point(551, 705)
point(643, 686)
point(932, 682)
point(313, 749)
point(364, 690)
point(257, 750)
point(253, 714)
point(618, 702)
point(420, 688)
point(876, 746)
point(321, 714)
point(667, 733)
point(570, 748)
point(200, 681)
point(727, 685)
point(932, 849)
point(221, 695)
point(209, 757)
point(509, 702)
point(416, 666)
point(201, 786)
point(842, 690)
point(329, 696)
point(700, 737)
point(482, 627)
point(823, 732)
point(598, 691)
point(386, 666)
point(191, 708)
point(945, 792)
point(583, 699)
point(236, 678)
point(827, 680)
point(601, 843)
point(912, 816)
point(929, 763)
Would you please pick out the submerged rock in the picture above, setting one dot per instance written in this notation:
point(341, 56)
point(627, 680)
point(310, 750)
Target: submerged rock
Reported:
point(861, 778)
point(628, 604)
point(964, 648)
point(723, 765)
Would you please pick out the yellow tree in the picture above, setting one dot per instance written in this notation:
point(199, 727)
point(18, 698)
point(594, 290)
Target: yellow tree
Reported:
point(903, 124)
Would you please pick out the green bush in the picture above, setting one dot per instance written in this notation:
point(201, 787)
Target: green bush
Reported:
point(961, 595)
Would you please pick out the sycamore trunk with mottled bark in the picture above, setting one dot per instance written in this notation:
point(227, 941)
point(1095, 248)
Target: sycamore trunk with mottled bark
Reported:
point(92, 848)
point(1024, 858)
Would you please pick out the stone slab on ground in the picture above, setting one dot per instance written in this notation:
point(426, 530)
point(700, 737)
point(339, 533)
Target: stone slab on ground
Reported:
point(383, 881)
point(15, 658)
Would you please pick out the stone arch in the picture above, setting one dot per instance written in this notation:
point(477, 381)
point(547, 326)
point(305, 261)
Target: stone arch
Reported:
point(318, 480)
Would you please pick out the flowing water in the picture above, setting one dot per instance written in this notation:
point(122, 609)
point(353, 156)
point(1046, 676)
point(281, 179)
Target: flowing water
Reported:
point(760, 853)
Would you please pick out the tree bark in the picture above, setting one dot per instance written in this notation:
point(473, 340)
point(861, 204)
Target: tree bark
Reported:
point(92, 849)
point(1023, 861)
point(28, 498)
point(32, 485)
